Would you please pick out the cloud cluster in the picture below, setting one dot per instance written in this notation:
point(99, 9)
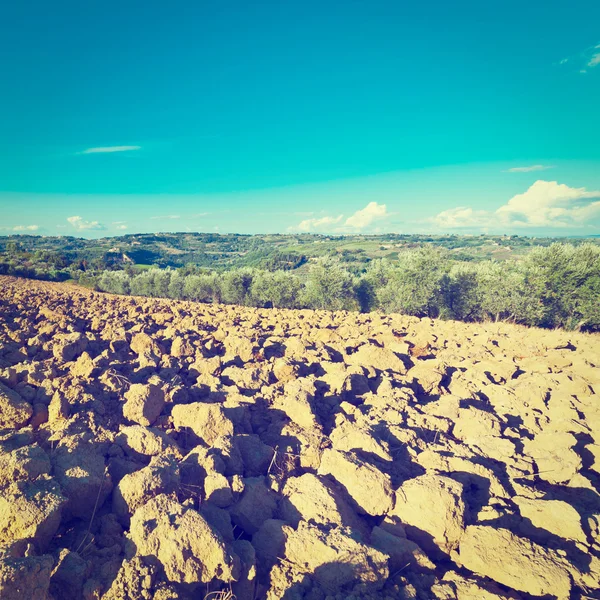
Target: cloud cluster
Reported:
point(594, 59)
point(83, 225)
point(544, 204)
point(110, 149)
point(21, 228)
point(25, 227)
point(529, 169)
point(365, 217)
point(359, 221)
point(161, 217)
point(318, 223)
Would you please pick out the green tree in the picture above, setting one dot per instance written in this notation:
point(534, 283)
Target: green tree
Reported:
point(236, 286)
point(330, 287)
point(278, 289)
point(414, 286)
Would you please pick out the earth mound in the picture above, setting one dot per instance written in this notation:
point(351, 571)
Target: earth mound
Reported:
point(154, 449)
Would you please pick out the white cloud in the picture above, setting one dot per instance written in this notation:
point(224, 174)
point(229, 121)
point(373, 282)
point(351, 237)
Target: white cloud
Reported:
point(549, 203)
point(167, 217)
point(109, 149)
point(462, 217)
point(83, 225)
point(544, 204)
point(361, 219)
point(25, 227)
point(318, 223)
point(594, 60)
point(529, 169)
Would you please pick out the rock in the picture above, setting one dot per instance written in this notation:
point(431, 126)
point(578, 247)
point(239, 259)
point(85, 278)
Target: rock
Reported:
point(136, 580)
point(469, 588)
point(269, 543)
point(25, 463)
point(245, 586)
point(161, 476)
point(256, 455)
point(69, 575)
point(228, 453)
point(197, 464)
point(144, 403)
point(554, 456)
point(58, 409)
point(403, 553)
point(179, 537)
point(84, 366)
point(285, 370)
point(348, 436)
point(514, 561)
point(80, 469)
point(238, 348)
point(312, 498)
point(256, 505)
point(181, 347)
point(31, 509)
point(144, 346)
point(296, 403)
point(139, 441)
point(555, 516)
point(207, 421)
point(382, 359)
point(40, 415)
point(14, 411)
point(25, 578)
point(433, 510)
point(335, 558)
point(370, 489)
point(217, 490)
point(69, 346)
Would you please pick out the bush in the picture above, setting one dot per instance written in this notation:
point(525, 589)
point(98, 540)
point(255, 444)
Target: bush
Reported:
point(236, 286)
point(329, 286)
point(277, 290)
point(414, 286)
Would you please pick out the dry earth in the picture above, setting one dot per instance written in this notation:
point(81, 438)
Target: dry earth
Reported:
point(152, 449)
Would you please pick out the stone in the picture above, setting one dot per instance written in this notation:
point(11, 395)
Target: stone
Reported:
point(144, 403)
point(25, 578)
point(142, 442)
point(161, 476)
point(31, 509)
point(555, 516)
point(69, 346)
point(514, 561)
point(15, 412)
point(370, 489)
point(21, 464)
point(335, 558)
point(432, 508)
point(256, 505)
point(403, 553)
point(207, 421)
point(312, 498)
point(189, 549)
point(554, 456)
point(382, 359)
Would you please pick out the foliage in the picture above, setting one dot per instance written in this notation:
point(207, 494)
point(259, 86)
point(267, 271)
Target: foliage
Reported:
point(553, 285)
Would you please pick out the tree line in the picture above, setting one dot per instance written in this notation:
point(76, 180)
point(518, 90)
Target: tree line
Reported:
point(554, 286)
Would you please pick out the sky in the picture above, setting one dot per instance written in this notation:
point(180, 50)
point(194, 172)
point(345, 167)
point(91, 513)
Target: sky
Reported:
point(353, 116)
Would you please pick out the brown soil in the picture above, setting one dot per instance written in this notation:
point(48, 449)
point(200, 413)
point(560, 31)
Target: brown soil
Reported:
point(152, 449)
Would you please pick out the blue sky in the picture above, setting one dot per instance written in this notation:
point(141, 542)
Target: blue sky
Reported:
point(353, 116)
